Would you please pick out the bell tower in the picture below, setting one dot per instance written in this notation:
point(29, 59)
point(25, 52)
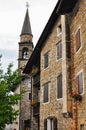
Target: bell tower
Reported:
point(25, 44)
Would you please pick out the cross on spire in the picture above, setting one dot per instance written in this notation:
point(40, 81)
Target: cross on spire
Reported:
point(27, 4)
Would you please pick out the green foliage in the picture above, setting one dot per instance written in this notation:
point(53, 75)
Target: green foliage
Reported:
point(8, 83)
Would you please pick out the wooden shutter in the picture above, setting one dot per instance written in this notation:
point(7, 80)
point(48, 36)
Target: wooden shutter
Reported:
point(46, 92)
point(29, 96)
point(55, 123)
point(59, 86)
point(78, 40)
point(46, 60)
point(59, 50)
point(80, 83)
point(45, 124)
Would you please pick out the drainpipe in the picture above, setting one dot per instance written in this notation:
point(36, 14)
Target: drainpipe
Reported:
point(64, 63)
point(31, 113)
point(74, 114)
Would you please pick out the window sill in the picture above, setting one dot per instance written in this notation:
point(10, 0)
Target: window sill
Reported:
point(45, 103)
point(58, 60)
point(46, 68)
point(59, 34)
point(78, 50)
point(59, 99)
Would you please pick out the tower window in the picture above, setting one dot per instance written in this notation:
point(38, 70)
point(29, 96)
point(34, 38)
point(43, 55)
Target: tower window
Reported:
point(25, 53)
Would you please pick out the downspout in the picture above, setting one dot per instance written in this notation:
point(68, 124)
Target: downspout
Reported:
point(31, 112)
point(64, 64)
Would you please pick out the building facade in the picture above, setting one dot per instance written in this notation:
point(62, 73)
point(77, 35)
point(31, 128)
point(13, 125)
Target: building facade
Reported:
point(78, 60)
point(61, 62)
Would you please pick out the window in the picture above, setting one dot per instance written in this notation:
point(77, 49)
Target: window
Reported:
point(82, 127)
point(50, 123)
point(29, 96)
point(25, 52)
point(59, 50)
point(80, 83)
point(46, 60)
point(46, 92)
point(59, 86)
point(78, 40)
point(59, 29)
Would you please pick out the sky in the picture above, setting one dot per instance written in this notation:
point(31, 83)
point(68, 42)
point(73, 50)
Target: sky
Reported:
point(12, 13)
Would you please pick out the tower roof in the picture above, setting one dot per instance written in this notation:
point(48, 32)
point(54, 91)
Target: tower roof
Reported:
point(26, 29)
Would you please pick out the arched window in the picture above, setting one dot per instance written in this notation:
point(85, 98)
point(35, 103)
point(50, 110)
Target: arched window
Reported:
point(25, 53)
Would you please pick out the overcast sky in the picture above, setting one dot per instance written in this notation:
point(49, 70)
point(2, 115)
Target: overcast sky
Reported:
point(12, 13)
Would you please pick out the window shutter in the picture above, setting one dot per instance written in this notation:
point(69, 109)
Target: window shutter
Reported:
point(59, 86)
point(59, 50)
point(80, 83)
point(45, 124)
point(46, 60)
point(78, 40)
point(55, 123)
point(46, 92)
point(29, 96)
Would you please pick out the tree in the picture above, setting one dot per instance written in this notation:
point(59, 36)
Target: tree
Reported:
point(9, 82)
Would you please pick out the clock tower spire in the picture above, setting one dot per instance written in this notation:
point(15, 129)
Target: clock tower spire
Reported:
point(25, 44)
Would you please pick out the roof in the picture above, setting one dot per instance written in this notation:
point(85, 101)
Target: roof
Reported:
point(62, 7)
point(66, 6)
point(26, 29)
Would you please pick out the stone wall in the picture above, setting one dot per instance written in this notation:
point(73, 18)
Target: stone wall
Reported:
point(54, 107)
point(78, 59)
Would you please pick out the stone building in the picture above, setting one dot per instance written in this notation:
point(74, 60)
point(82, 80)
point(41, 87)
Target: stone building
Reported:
point(57, 67)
